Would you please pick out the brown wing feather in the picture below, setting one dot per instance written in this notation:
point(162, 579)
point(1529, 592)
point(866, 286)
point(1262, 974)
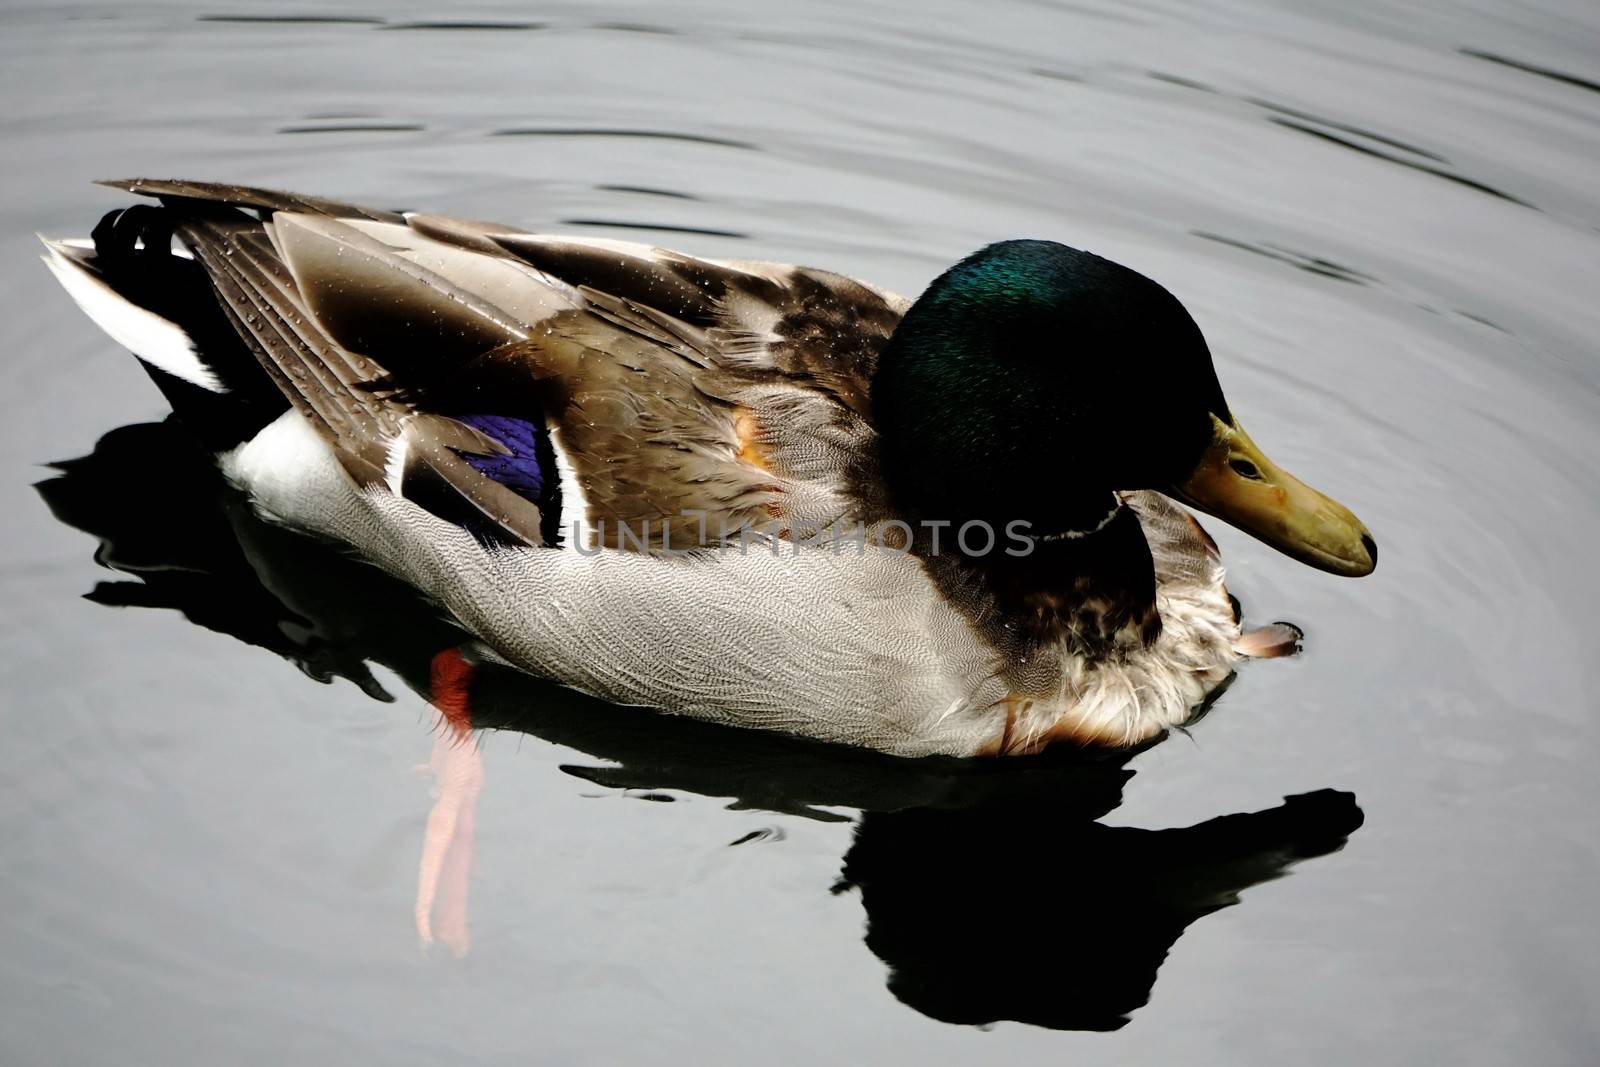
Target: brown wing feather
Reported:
point(680, 387)
point(270, 313)
point(246, 196)
point(301, 290)
point(700, 397)
point(758, 420)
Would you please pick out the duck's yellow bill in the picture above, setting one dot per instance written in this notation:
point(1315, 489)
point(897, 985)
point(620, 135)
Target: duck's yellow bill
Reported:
point(1237, 483)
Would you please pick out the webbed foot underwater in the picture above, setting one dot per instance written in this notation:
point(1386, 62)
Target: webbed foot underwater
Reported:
point(569, 444)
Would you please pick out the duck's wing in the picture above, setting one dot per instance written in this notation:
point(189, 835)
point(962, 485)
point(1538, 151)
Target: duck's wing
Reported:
point(716, 395)
point(474, 367)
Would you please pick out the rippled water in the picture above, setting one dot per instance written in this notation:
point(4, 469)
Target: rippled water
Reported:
point(1385, 218)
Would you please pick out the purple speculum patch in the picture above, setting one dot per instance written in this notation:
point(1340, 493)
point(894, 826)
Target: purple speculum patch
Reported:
point(527, 469)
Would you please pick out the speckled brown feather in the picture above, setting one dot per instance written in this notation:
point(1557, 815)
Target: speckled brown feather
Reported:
point(292, 329)
point(705, 396)
point(710, 397)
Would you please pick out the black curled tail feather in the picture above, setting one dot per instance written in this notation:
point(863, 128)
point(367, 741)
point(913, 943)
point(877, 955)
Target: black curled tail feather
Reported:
point(134, 255)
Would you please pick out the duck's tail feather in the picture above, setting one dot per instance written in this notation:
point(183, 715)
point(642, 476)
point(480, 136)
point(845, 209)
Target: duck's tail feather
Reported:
point(241, 297)
point(148, 294)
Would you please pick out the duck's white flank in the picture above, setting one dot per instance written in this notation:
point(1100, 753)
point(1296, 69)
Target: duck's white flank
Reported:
point(852, 647)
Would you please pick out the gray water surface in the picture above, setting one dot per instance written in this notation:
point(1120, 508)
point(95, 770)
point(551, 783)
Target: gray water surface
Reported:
point(1386, 218)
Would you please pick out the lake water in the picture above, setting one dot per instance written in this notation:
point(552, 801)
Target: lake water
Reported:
point(1386, 218)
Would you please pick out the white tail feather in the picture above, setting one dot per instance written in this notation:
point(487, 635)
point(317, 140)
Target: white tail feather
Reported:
point(152, 338)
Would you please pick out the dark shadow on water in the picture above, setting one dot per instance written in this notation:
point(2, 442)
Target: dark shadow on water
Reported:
point(1327, 268)
point(1359, 139)
point(362, 127)
point(637, 27)
point(1368, 150)
point(646, 190)
point(1039, 914)
point(297, 20)
point(466, 25)
point(1530, 68)
point(649, 135)
point(991, 889)
point(661, 227)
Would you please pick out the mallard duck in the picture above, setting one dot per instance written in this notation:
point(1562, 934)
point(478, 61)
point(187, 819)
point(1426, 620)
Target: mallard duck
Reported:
point(747, 492)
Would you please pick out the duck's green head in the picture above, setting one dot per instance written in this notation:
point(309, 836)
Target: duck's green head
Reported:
point(1032, 381)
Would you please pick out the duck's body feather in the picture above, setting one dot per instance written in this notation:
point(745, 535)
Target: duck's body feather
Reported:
point(568, 442)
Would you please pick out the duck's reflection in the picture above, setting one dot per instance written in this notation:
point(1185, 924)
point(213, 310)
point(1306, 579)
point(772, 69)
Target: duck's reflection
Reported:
point(447, 842)
point(991, 890)
point(1043, 916)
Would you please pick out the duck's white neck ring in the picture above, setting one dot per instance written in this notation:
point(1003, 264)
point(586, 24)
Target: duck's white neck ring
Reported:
point(1075, 535)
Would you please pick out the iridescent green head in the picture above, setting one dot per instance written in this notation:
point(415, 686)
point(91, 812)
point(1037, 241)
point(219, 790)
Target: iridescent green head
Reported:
point(1032, 381)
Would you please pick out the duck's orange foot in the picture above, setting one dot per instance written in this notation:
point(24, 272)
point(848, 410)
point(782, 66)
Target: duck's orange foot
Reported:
point(450, 689)
point(1270, 641)
point(448, 841)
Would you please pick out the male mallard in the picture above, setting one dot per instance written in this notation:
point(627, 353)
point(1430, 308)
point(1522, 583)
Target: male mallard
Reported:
point(753, 493)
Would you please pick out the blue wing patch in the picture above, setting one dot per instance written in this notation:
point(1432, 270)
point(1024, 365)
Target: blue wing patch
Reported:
point(528, 468)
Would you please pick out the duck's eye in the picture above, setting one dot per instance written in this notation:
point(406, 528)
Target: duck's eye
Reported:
point(1245, 469)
